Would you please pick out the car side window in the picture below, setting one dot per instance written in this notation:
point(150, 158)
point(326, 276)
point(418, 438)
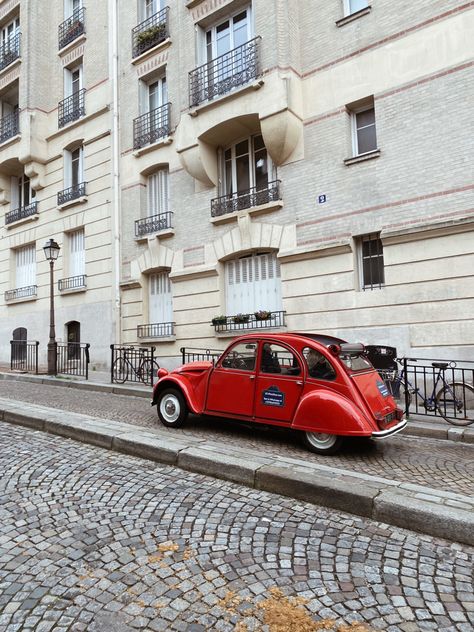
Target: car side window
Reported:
point(319, 367)
point(242, 357)
point(278, 359)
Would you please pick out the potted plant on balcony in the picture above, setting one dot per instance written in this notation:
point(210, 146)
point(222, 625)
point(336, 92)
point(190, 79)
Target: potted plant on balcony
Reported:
point(74, 29)
point(151, 36)
point(219, 320)
point(240, 319)
point(263, 314)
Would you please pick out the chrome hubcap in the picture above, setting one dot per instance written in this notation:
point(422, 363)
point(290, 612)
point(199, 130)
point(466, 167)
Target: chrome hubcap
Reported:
point(321, 440)
point(169, 408)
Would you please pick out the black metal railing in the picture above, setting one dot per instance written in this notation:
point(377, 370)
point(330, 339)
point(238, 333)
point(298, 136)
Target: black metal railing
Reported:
point(150, 127)
point(21, 213)
point(153, 224)
point(24, 355)
point(72, 193)
point(72, 108)
point(189, 354)
point(155, 330)
point(245, 199)
point(9, 51)
point(9, 126)
point(21, 292)
point(226, 72)
point(72, 28)
point(73, 358)
point(150, 32)
point(131, 363)
point(72, 283)
point(264, 320)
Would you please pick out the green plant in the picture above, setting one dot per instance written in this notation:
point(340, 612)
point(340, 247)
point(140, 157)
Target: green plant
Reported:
point(221, 319)
point(151, 35)
point(262, 314)
point(240, 318)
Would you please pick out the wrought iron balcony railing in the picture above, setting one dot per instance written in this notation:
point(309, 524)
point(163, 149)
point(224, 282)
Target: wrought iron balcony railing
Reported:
point(150, 127)
point(72, 193)
point(153, 224)
point(9, 51)
point(245, 199)
point(21, 292)
point(257, 320)
point(72, 283)
point(155, 330)
point(150, 32)
point(71, 28)
point(21, 213)
point(71, 108)
point(221, 75)
point(9, 126)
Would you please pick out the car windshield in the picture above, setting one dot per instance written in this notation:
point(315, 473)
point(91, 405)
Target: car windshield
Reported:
point(355, 361)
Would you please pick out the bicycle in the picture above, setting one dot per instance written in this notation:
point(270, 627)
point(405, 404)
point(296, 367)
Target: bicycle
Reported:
point(123, 366)
point(453, 401)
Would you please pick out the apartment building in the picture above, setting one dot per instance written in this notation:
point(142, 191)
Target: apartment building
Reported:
point(211, 167)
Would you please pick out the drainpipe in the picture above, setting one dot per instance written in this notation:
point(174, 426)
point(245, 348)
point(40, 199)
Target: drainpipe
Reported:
point(115, 163)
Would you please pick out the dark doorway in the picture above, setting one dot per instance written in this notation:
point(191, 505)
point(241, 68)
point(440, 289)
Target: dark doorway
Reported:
point(19, 338)
point(73, 340)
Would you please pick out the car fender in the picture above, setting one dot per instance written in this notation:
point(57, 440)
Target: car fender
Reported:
point(179, 382)
point(330, 412)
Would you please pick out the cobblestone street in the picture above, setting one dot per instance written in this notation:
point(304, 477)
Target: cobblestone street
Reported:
point(91, 540)
point(438, 464)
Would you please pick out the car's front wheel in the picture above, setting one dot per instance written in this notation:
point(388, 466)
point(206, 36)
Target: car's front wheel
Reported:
point(172, 408)
point(321, 442)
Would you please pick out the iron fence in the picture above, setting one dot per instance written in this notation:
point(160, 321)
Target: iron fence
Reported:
point(9, 51)
point(72, 193)
point(21, 213)
point(72, 283)
point(72, 358)
point(72, 28)
point(153, 224)
point(150, 32)
point(242, 200)
point(132, 363)
point(71, 108)
point(155, 330)
point(21, 292)
point(9, 125)
point(190, 354)
point(151, 126)
point(257, 320)
point(24, 356)
point(226, 72)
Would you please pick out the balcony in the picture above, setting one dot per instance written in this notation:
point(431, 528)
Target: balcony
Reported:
point(21, 213)
point(225, 73)
point(153, 224)
point(72, 108)
point(151, 127)
point(155, 330)
point(72, 283)
point(75, 192)
point(71, 28)
point(9, 126)
point(258, 320)
point(21, 292)
point(245, 199)
point(150, 32)
point(9, 51)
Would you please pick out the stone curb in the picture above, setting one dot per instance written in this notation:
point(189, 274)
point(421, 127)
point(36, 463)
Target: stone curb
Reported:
point(433, 512)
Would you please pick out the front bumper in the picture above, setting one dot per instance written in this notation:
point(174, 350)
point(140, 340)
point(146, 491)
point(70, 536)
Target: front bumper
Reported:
point(382, 434)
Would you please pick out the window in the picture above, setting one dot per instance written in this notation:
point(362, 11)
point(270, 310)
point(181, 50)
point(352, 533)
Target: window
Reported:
point(241, 357)
point(253, 283)
point(157, 94)
point(160, 298)
point(371, 262)
point(278, 359)
point(319, 367)
point(158, 192)
point(352, 6)
point(9, 32)
point(22, 195)
point(71, 6)
point(77, 255)
point(73, 80)
point(364, 137)
point(246, 165)
point(25, 266)
point(226, 36)
point(74, 167)
point(149, 8)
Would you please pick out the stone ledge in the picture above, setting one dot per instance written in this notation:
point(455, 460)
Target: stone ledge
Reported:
point(354, 16)
point(370, 155)
point(79, 200)
point(151, 51)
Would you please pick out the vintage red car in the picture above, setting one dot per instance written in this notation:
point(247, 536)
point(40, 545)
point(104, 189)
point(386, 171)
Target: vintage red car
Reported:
point(321, 386)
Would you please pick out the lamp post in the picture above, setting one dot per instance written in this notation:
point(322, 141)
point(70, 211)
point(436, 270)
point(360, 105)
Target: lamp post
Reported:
point(51, 252)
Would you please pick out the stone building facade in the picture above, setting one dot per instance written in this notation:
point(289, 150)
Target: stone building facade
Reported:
point(280, 164)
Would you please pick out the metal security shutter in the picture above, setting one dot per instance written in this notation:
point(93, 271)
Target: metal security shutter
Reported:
point(253, 283)
point(77, 255)
point(26, 266)
point(160, 298)
point(158, 193)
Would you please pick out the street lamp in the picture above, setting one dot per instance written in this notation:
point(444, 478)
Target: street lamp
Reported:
point(51, 252)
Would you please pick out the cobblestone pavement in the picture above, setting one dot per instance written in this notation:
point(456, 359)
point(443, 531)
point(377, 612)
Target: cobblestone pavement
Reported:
point(434, 463)
point(99, 542)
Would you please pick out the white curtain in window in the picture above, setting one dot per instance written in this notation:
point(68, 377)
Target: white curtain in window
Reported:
point(253, 283)
point(160, 298)
point(158, 192)
point(26, 266)
point(77, 255)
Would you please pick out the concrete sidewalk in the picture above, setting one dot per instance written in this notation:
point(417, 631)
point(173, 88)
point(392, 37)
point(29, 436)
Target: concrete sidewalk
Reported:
point(420, 508)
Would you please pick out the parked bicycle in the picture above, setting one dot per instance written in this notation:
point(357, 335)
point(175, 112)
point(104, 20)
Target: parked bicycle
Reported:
point(454, 401)
point(126, 366)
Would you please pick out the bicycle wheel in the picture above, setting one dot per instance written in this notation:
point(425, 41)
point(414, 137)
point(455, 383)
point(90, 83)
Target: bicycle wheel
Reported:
point(147, 371)
point(120, 371)
point(399, 393)
point(455, 403)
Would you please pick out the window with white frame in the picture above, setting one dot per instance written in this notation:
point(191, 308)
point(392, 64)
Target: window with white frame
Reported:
point(73, 80)
point(353, 6)
point(77, 253)
point(245, 165)
point(364, 134)
point(25, 266)
point(227, 35)
point(158, 192)
point(9, 32)
point(371, 265)
point(154, 94)
point(160, 298)
point(73, 167)
point(71, 6)
point(253, 283)
point(22, 195)
point(149, 8)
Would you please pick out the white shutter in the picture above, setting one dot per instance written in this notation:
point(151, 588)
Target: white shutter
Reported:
point(253, 283)
point(158, 193)
point(67, 169)
point(77, 259)
point(14, 197)
point(26, 266)
point(160, 298)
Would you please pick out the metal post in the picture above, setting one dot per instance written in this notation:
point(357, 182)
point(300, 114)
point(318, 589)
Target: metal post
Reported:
point(405, 385)
point(111, 364)
point(52, 348)
point(36, 357)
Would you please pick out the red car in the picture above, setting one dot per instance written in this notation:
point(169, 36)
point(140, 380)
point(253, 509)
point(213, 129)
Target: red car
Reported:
point(319, 385)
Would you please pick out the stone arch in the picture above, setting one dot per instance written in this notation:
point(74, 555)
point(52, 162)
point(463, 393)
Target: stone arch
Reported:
point(155, 257)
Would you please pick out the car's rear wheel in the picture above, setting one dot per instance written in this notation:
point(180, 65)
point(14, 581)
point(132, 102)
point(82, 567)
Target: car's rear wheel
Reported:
point(322, 443)
point(172, 408)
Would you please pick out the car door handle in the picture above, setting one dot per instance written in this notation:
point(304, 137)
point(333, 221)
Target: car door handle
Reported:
point(251, 377)
point(299, 382)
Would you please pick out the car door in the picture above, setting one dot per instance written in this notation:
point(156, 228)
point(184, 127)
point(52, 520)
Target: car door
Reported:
point(279, 383)
point(231, 387)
